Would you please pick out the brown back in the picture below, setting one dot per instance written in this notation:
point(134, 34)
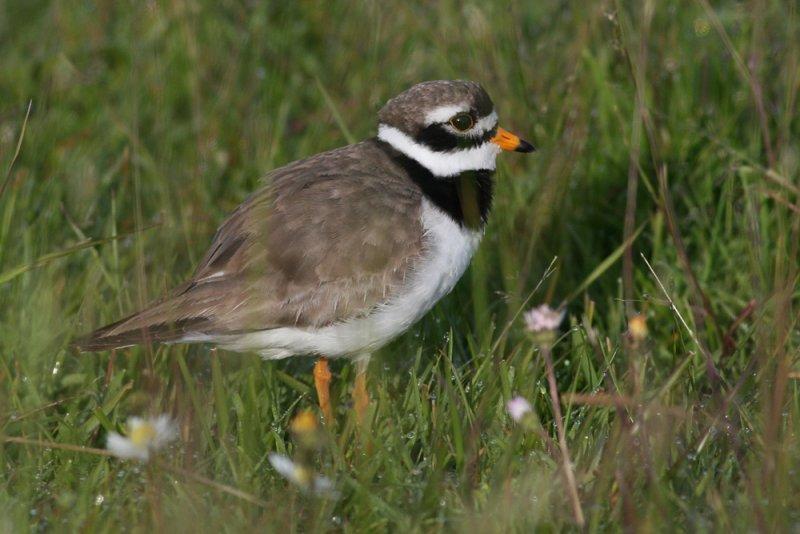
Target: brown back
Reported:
point(329, 238)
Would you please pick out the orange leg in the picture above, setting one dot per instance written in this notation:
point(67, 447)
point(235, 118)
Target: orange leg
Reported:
point(361, 395)
point(360, 392)
point(322, 381)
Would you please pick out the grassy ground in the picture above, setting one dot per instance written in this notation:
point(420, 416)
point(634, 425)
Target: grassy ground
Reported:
point(670, 122)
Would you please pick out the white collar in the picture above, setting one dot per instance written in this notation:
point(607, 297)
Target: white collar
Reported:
point(443, 164)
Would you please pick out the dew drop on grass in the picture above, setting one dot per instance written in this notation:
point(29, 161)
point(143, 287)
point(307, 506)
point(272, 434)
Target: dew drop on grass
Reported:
point(99, 500)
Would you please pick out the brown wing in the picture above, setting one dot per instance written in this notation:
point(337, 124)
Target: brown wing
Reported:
point(328, 239)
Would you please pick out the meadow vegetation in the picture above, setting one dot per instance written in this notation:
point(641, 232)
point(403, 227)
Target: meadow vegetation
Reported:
point(666, 189)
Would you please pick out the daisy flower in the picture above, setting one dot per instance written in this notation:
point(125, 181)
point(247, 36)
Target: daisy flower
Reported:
point(143, 436)
point(301, 476)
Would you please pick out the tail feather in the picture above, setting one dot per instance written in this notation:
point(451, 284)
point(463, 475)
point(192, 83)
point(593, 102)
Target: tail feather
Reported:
point(152, 325)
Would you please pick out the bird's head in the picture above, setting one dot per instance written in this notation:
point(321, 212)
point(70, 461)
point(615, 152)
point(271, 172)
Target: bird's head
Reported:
point(447, 126)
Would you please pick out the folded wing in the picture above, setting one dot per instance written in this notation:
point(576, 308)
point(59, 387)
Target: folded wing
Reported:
point(328, 239)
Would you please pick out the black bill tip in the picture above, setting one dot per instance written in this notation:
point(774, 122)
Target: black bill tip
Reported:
point(525, 146)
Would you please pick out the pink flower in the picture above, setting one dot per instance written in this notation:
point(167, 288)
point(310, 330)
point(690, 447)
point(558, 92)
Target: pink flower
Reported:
point(518, 407)
point(543, 319)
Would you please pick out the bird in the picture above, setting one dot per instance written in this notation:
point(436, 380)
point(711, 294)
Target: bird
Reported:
point(337, 254)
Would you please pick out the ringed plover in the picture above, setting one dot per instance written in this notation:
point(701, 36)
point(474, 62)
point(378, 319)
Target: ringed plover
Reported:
point(341, 252)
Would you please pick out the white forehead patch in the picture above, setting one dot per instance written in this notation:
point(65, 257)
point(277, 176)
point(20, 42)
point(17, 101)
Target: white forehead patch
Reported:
point(489, 122)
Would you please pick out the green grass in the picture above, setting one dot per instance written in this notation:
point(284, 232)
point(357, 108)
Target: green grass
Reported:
point(150, 121)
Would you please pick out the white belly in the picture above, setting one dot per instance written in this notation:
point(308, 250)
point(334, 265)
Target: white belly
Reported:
point(449, 248)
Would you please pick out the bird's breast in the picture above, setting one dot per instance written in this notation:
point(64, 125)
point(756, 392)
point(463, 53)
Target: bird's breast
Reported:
point(449, 247)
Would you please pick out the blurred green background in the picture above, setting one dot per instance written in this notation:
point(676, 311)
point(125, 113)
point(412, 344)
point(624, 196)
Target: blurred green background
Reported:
point(671, 126)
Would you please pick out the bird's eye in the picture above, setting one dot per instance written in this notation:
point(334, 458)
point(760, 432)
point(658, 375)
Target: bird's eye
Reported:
point(462, 122)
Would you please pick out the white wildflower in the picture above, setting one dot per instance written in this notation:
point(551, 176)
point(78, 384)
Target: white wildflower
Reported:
point(518, 407)
point(143, 437)
point(301, 476)
point(543, 319)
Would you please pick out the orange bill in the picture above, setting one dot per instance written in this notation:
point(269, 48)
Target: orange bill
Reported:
point(509, 141)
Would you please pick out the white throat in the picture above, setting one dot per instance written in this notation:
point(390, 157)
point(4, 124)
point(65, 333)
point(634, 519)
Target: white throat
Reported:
point(450, 163)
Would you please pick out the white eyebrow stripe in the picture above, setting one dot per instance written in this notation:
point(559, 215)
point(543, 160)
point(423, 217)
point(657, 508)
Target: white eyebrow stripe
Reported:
point(443, 113)
point(441, 164)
